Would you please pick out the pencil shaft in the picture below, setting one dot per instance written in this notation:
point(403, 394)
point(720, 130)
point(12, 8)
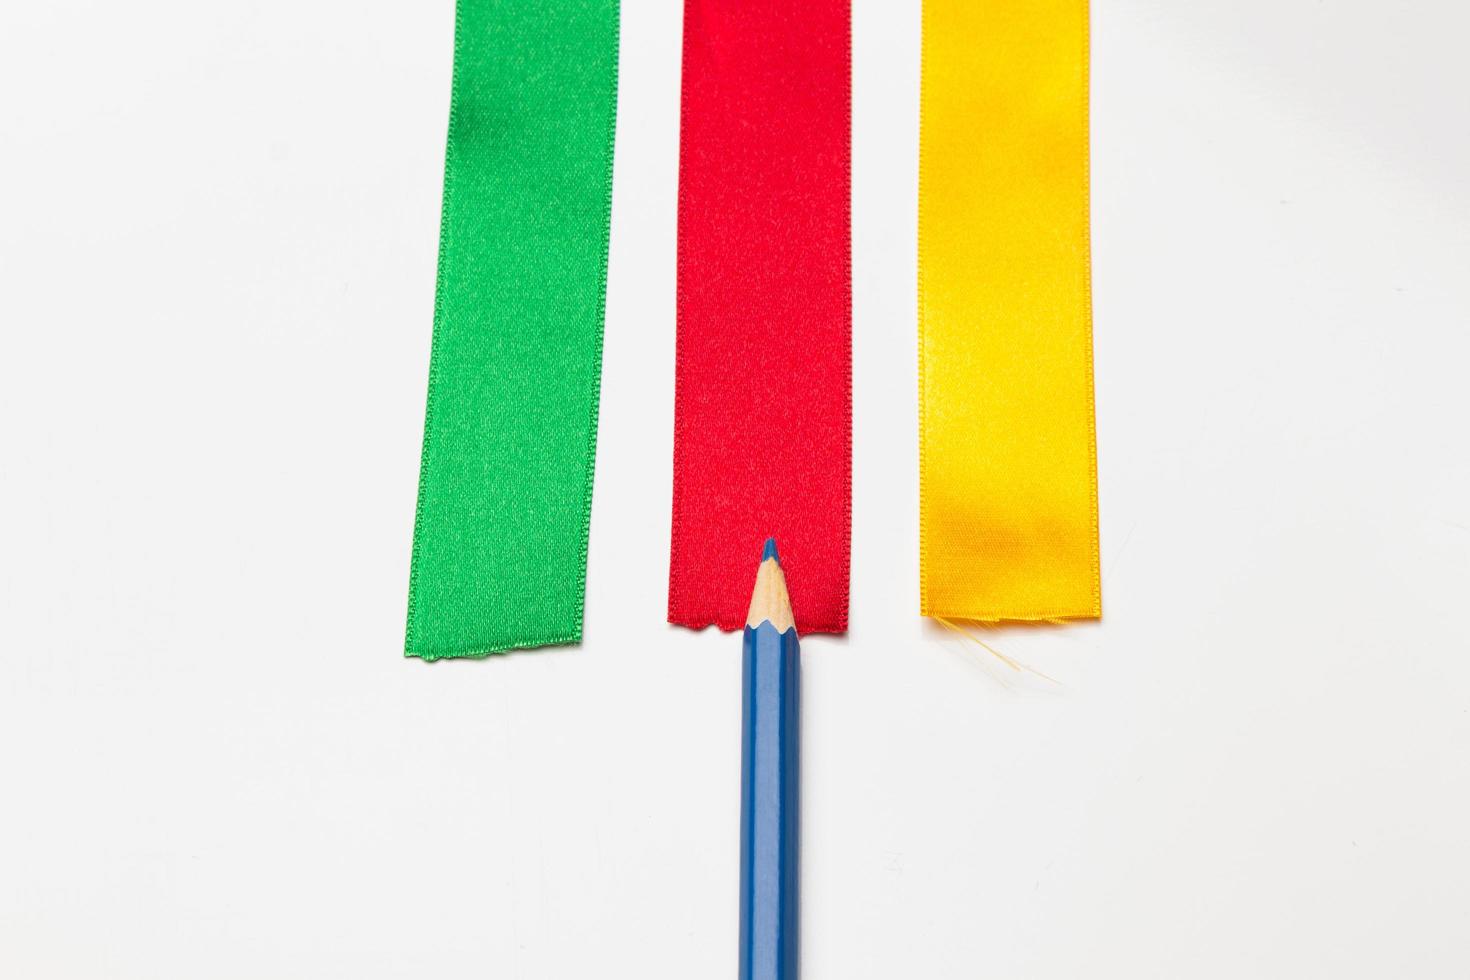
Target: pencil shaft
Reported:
point(769, 804)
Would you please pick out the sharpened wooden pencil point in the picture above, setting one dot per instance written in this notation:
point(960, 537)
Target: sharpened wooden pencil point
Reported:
point(770, 601)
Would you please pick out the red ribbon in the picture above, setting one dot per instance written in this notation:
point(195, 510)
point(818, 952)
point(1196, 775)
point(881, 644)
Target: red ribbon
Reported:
point(763, 407)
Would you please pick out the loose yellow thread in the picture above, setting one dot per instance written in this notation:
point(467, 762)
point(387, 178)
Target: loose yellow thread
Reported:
point(964, 631)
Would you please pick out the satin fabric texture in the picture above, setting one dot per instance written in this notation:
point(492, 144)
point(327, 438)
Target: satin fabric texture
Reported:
point(763, 398)
point(1008, 464)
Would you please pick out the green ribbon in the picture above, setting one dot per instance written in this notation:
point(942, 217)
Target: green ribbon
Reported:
point(510, 431)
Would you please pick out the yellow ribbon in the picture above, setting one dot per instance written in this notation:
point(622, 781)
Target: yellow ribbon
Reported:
point(1008, 460)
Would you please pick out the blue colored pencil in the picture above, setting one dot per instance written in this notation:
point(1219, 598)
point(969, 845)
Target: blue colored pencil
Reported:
point(770, 818)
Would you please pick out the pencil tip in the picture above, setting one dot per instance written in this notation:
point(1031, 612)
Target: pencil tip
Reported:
point(769, 600)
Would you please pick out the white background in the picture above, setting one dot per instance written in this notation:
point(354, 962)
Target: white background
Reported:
point(218, 229)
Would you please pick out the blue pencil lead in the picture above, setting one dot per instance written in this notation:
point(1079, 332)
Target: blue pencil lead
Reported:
point(770, 551)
